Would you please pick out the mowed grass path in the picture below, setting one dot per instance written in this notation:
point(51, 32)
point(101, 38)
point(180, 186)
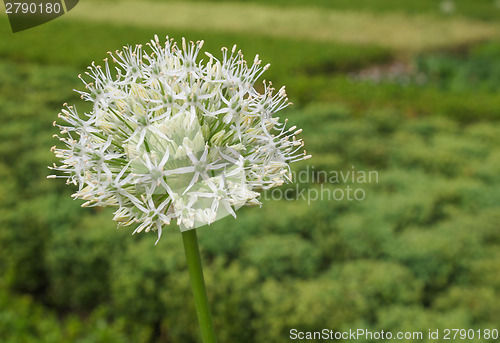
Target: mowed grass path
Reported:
point(398, 31)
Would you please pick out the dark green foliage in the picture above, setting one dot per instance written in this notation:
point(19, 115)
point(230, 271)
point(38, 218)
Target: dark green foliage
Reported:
point(462, 86)
point(400, 318)
point(280, 256)
point(235, 292)
point(467, 106)
point(345, 294)
point(81, 281)
point(23, 320)
point(479, 70)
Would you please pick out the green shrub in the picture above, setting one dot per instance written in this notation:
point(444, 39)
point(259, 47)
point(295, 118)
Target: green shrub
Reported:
point(420, 320)
point(23, 320)
point(232, 291)
point(349, 292)
point(481, 304)
point(79, 263)
point(281, 256)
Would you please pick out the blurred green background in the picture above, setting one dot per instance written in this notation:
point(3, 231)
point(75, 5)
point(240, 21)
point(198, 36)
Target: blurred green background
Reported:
point(409, 89)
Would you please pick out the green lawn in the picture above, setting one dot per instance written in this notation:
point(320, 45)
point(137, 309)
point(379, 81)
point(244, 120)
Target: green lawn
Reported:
point(488, 10)
point(413, 33)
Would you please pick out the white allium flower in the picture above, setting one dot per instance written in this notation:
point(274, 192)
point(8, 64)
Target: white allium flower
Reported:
point(170, 137)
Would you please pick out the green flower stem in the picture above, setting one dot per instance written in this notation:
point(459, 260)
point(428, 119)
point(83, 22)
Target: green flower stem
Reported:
point(198, 286)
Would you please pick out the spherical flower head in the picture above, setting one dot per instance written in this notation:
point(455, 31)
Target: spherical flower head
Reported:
point(173, 138)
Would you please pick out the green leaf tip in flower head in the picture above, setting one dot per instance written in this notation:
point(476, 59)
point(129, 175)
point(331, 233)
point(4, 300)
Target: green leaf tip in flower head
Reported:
point(172, 138)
